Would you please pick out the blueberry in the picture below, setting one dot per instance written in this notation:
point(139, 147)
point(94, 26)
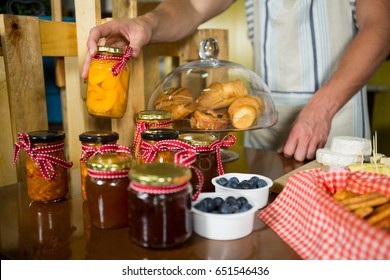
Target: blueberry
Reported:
point(245, 185)
point(218, 201)
point(200, 206)
point(242, 200)
point(222, 181)
point(225, 208)
point(230, 200)
point(209, 204)
point(234, 180)
point(244, 207)
point(261, 183)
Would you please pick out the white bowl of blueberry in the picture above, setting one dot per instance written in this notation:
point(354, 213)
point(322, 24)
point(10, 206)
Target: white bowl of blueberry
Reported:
point(253, 186)
point(223, 216)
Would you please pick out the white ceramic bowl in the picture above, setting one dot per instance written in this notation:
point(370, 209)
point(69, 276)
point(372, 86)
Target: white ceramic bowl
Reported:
point(258, 195)
point(223, 226)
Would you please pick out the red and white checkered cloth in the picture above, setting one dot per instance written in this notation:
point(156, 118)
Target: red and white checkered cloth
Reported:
point(316, 226)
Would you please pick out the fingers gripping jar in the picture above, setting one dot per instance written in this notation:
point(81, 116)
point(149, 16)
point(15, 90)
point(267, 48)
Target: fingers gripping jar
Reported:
point(108, 82)
point(93, 142)
point(160, 204)
point(106, 189)
point(46, 165)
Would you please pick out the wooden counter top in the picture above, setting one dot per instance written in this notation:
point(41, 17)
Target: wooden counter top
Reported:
point(62, 230)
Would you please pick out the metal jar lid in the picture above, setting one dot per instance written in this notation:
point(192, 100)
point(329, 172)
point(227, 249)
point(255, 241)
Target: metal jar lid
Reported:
point(154, 115)
point(159, 174)
point(112, 50)
point(198, 139)
point(110, 162)
point(46, 136)
point(99, 136)
point(160, 134)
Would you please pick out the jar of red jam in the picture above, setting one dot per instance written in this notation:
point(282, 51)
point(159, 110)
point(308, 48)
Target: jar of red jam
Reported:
point(152, 137)
point(91, 143)
point(108, 82)
point(150, 119)
point(160, 204)
point(106, 189)
point(46, 165)
point(206, 161)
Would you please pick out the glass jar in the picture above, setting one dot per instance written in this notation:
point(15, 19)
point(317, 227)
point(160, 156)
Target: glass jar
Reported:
point(46, 166)
point(91, 141)
point(160, 204)
point(150, 119)
point(151, 138)
point(106, 189)
point(108, 82)
point(206, 161)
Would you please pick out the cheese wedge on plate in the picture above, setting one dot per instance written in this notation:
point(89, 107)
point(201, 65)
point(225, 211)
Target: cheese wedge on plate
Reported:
point(348, 145)
point(327, 157)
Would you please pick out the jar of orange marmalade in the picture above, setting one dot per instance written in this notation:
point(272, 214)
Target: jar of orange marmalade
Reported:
point(46, 165)
point(150, 119)
point(160, 204)
point(91, 141)
point(206, 161)
point(152, 138)
point(108, 82)
point(106, 189)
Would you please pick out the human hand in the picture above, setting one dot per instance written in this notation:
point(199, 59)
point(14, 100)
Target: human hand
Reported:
point(117, 33)
point(309, 132)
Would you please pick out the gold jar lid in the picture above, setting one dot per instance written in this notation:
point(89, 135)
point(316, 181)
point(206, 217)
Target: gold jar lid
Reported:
point(154, 115)
point(111, 50)
point(110, 162)
point(198, 139)
point(160, 174)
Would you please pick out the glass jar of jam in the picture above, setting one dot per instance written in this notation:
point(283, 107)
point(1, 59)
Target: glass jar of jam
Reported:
point(108, 82)
point(150, 119)
point(106, 189)
point(160, 204)
point(91, 143)
point(206, 161)
point(46, 166)
point(151, 138)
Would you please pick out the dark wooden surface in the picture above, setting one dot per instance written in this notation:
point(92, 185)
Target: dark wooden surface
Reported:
point(62, 230)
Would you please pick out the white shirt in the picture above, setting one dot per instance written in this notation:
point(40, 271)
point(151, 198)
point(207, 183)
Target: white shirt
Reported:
point(297, 46)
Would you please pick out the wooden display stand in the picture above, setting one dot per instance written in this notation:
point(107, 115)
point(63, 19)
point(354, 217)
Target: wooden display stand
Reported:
point(25, 39)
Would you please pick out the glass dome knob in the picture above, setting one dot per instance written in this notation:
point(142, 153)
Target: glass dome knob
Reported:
point(209, 49)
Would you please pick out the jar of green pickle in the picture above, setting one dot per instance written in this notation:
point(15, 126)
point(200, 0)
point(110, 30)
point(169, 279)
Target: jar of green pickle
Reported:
point(160, 204)
point(106, 189)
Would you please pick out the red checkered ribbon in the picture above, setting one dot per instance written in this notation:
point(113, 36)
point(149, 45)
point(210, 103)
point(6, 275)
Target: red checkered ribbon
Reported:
point(142, 126)
point(316, 226)
point(216, 146)
point(87, 151)
point(118, 174)
point(41, 156)
point(122, 60)
point(158, 190)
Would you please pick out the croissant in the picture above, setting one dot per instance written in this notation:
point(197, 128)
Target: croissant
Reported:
point(178, 101)
point(245, 111)
point(209, 120)
point(221, 95)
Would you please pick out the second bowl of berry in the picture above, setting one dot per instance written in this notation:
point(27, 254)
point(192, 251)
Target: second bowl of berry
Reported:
point(223, 216)
point(253, 186)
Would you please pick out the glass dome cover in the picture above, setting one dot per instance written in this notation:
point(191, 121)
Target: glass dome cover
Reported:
point(214, 95)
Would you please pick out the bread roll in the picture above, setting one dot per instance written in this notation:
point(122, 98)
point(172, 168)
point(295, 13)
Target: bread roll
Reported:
point(245, 111)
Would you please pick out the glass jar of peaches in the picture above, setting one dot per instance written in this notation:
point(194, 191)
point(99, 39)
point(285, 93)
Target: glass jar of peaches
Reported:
point(108, 82)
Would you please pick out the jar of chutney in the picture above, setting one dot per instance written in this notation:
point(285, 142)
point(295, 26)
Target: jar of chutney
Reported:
point(94, 142)
point(46, 165)
point(150, 119)
point(106, 189)
point(108, 82)
point(206, 161)
point(155, 138)
point(160, 204)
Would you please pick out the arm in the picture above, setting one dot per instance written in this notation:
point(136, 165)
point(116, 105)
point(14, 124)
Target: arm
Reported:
point(170, 21)
point(361, 59)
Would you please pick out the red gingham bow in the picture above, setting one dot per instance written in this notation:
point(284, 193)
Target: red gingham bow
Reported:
point(117, 68)
point(118, 174)
point(40, 155)
point(87, 151)
point(142, 126)
point(216, 146)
